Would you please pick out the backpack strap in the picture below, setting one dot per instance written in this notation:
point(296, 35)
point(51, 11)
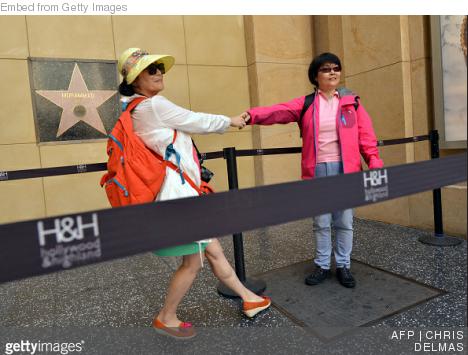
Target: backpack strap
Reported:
point(169, 150)
point(343, 91)
point(179, 171)
point(309, 99)
point(186, 177)
point(126, 118)
point(356, 102)
point(132, 104)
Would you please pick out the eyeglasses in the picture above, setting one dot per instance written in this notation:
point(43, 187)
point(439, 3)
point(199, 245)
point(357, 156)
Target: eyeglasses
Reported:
point(336, 69)
point(154, 67)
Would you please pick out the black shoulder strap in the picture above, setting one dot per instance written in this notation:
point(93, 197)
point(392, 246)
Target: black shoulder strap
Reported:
point(198, 152)
point(309, 99)
point(307, 102)
point(356, 102)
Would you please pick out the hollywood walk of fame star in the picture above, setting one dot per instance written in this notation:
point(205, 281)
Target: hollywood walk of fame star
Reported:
point(78, 103)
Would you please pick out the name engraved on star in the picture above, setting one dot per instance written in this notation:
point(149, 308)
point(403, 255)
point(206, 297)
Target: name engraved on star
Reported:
point(77, 95)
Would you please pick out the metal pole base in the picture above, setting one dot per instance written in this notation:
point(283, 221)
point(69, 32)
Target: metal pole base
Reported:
point(440, 240)
point(255, 285)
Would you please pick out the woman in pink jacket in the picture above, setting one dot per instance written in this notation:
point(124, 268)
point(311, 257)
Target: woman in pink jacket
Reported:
point(336, 131)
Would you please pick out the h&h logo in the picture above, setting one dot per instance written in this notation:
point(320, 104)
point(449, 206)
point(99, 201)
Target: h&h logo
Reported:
point(67, 243)
point(375, 185)
point(64, 231)
point(375, 178)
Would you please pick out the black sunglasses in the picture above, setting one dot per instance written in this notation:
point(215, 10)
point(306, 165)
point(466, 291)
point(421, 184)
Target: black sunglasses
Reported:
point(336, 69)
point(154, 67)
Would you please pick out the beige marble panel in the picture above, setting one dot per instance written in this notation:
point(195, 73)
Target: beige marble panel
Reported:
point(321, 34)
point(272, 89)
point(245, 168)
point(420, 45)
point(408, 109)
point(371, 42)
point(394, 211)
point(280, 168)
point(16, 115)
point(88, 37)
point(74, 193)
point(335, 35)
point(73, 154)
point(252, 72)
point(328, 35)
point(281, 82)
point(249, 39)
point(392, 155)
point(215, 40)
point(220, 90)
point(215, 142)
point(382, 95)
point(177, 86)
point(19, 157)
point(453, 210)
point(454, 198)
point(422, 104)
point(156, 34)
point(282, 39)
point(286, 135)
point(421, 210)
point(13, 37)
point(21, 200)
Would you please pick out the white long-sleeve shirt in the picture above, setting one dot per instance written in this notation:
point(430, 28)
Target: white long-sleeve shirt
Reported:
point(154, 121)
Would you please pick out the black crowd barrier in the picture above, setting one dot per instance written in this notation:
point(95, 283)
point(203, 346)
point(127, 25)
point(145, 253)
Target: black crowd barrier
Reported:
point(89, 168)
point(56, 243)
point(127, 231)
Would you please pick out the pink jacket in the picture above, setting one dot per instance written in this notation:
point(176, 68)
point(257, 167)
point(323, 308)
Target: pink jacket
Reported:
point(355, 131)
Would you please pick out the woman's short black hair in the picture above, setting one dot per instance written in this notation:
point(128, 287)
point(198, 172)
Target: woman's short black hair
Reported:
point(126, 89)
point(318, 62)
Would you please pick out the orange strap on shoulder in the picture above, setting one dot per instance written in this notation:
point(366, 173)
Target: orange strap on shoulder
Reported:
point(176, 169)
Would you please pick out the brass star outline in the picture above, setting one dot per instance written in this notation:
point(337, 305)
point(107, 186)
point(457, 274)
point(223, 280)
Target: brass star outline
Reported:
point(78, 103)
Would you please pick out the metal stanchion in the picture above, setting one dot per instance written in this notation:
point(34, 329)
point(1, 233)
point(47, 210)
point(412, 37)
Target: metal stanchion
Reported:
point(439, 238)
point(255, 285)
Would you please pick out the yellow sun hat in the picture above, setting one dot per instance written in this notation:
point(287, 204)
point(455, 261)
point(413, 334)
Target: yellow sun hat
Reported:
point(134, 60)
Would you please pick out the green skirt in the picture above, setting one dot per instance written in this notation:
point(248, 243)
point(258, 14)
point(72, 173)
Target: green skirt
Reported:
point(179, 250)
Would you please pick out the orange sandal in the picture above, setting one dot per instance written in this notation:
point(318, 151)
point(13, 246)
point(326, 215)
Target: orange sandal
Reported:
point(183, 331)
point(251, 309)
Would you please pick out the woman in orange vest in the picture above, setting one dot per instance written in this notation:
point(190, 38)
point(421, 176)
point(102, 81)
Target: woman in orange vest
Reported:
point(155, 121)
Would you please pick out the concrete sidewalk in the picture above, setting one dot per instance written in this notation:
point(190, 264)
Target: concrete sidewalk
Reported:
point(111, 305)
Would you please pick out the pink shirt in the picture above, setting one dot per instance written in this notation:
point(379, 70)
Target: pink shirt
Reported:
point(328, 140)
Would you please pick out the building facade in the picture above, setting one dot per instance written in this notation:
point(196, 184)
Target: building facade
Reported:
point(226, 64)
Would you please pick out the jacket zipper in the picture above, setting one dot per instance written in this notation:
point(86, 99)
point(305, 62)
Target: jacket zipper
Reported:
point(341, 118)
point(314, 113)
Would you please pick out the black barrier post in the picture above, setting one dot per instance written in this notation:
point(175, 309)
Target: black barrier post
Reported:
point(439, 238)
point(254, 285)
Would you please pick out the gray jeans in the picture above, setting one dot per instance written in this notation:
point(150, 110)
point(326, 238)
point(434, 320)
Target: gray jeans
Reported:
point(342, 222)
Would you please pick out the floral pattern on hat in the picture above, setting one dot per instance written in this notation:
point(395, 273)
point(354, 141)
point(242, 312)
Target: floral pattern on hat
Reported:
point(132, 60)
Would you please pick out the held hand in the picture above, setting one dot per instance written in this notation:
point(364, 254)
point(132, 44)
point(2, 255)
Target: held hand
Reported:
point(238, 121)
point(246, 116)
